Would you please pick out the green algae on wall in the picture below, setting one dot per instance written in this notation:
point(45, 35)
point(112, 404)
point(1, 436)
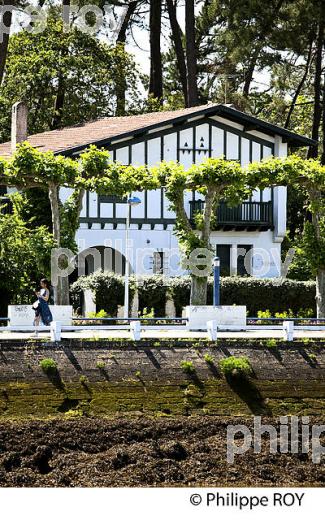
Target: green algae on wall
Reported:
point(213, 397)
point(104, 378)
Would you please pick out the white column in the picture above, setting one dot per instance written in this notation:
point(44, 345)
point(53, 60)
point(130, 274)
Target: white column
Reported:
point(280, 196)
point(233, 260)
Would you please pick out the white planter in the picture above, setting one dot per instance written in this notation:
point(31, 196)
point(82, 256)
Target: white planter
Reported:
point(23, 315)
point(224, 315)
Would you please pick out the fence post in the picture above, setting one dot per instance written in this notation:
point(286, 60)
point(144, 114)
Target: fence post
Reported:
point(135, 329)
point(55, 331)
point(212, 330)
point(288, 328)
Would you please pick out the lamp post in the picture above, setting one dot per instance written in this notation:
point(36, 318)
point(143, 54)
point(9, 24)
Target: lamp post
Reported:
point(131, 202)
point(216, 281)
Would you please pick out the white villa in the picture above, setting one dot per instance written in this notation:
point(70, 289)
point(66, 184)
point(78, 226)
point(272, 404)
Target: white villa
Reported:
point(257, 227)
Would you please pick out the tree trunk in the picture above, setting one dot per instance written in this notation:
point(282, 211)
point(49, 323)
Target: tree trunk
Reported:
point(121, 86)
point(300, 85)
point(156, 77)
point(55, 208)
point(320, 293)
point(59, 100)
point(250, 72)
point(265, 31)
point(61, 291)
point(6, 21)
point(178, 46)
point(313, 150)
point(323, 126)
point(191, 55)
point(199, 290)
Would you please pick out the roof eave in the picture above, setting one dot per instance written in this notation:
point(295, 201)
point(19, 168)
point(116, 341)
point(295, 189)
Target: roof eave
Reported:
point(295, 140)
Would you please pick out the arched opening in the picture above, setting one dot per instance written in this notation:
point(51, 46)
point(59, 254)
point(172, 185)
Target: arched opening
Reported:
point(99, 258)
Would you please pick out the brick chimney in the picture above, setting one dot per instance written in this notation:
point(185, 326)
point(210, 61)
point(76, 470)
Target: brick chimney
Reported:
point(18, 124)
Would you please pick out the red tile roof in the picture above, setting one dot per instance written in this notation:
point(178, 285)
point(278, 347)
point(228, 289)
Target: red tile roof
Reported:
point(79, 136)
point(94, 131)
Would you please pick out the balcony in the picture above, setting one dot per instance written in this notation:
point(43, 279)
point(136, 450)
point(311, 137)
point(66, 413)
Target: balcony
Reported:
point(250, 216)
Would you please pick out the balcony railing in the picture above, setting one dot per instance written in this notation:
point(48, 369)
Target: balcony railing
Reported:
point(248, 215)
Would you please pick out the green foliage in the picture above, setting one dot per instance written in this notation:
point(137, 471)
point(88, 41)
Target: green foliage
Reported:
point(107, 287)
point(308, 175)
point(83, 66)
point(152, 291)
point(83, 380)
point(301, 313)
point(147, 313)
point(100, 365)
point(24, 259)
point(208, 359)
point(188, 367)
point(33, 207)
point(100, 314)
point(48, 365)
point(235, 366)
point(271, 343)
point(215, 179)
point(256, 293)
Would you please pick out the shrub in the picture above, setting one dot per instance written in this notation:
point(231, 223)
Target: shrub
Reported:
point(271, 343)
point(146, 313)
point(261, 293)
point(208, 359)
point(152, 291)
point(258, 294)
point(188, 367)
point(235, 366)
point(100, 365)
point(97, 316)
point(48, 365)
point(100, 314)
point(107, 287)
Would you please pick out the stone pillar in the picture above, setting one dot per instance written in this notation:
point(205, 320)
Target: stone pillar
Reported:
point(170, 309)
point(233, 260)
point(18, 124)
point(89, 302)
point(135, 305)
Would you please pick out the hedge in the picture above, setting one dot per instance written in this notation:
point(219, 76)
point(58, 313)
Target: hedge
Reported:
point(258, 294)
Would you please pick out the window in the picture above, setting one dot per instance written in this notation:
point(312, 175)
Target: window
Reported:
point(158, 262)
point(223, 252)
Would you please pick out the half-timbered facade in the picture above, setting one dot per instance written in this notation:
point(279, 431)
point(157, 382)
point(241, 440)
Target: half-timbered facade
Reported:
point(247, 238)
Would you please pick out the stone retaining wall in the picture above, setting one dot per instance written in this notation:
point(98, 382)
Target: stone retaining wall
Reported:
point(105, 377)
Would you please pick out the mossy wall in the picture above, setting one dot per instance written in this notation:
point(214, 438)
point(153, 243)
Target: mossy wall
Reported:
point(102, 378)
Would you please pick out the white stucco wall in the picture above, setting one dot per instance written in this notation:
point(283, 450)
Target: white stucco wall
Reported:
point(195, 145)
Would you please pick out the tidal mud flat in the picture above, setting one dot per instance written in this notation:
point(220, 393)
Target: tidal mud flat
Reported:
point(144, 451)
